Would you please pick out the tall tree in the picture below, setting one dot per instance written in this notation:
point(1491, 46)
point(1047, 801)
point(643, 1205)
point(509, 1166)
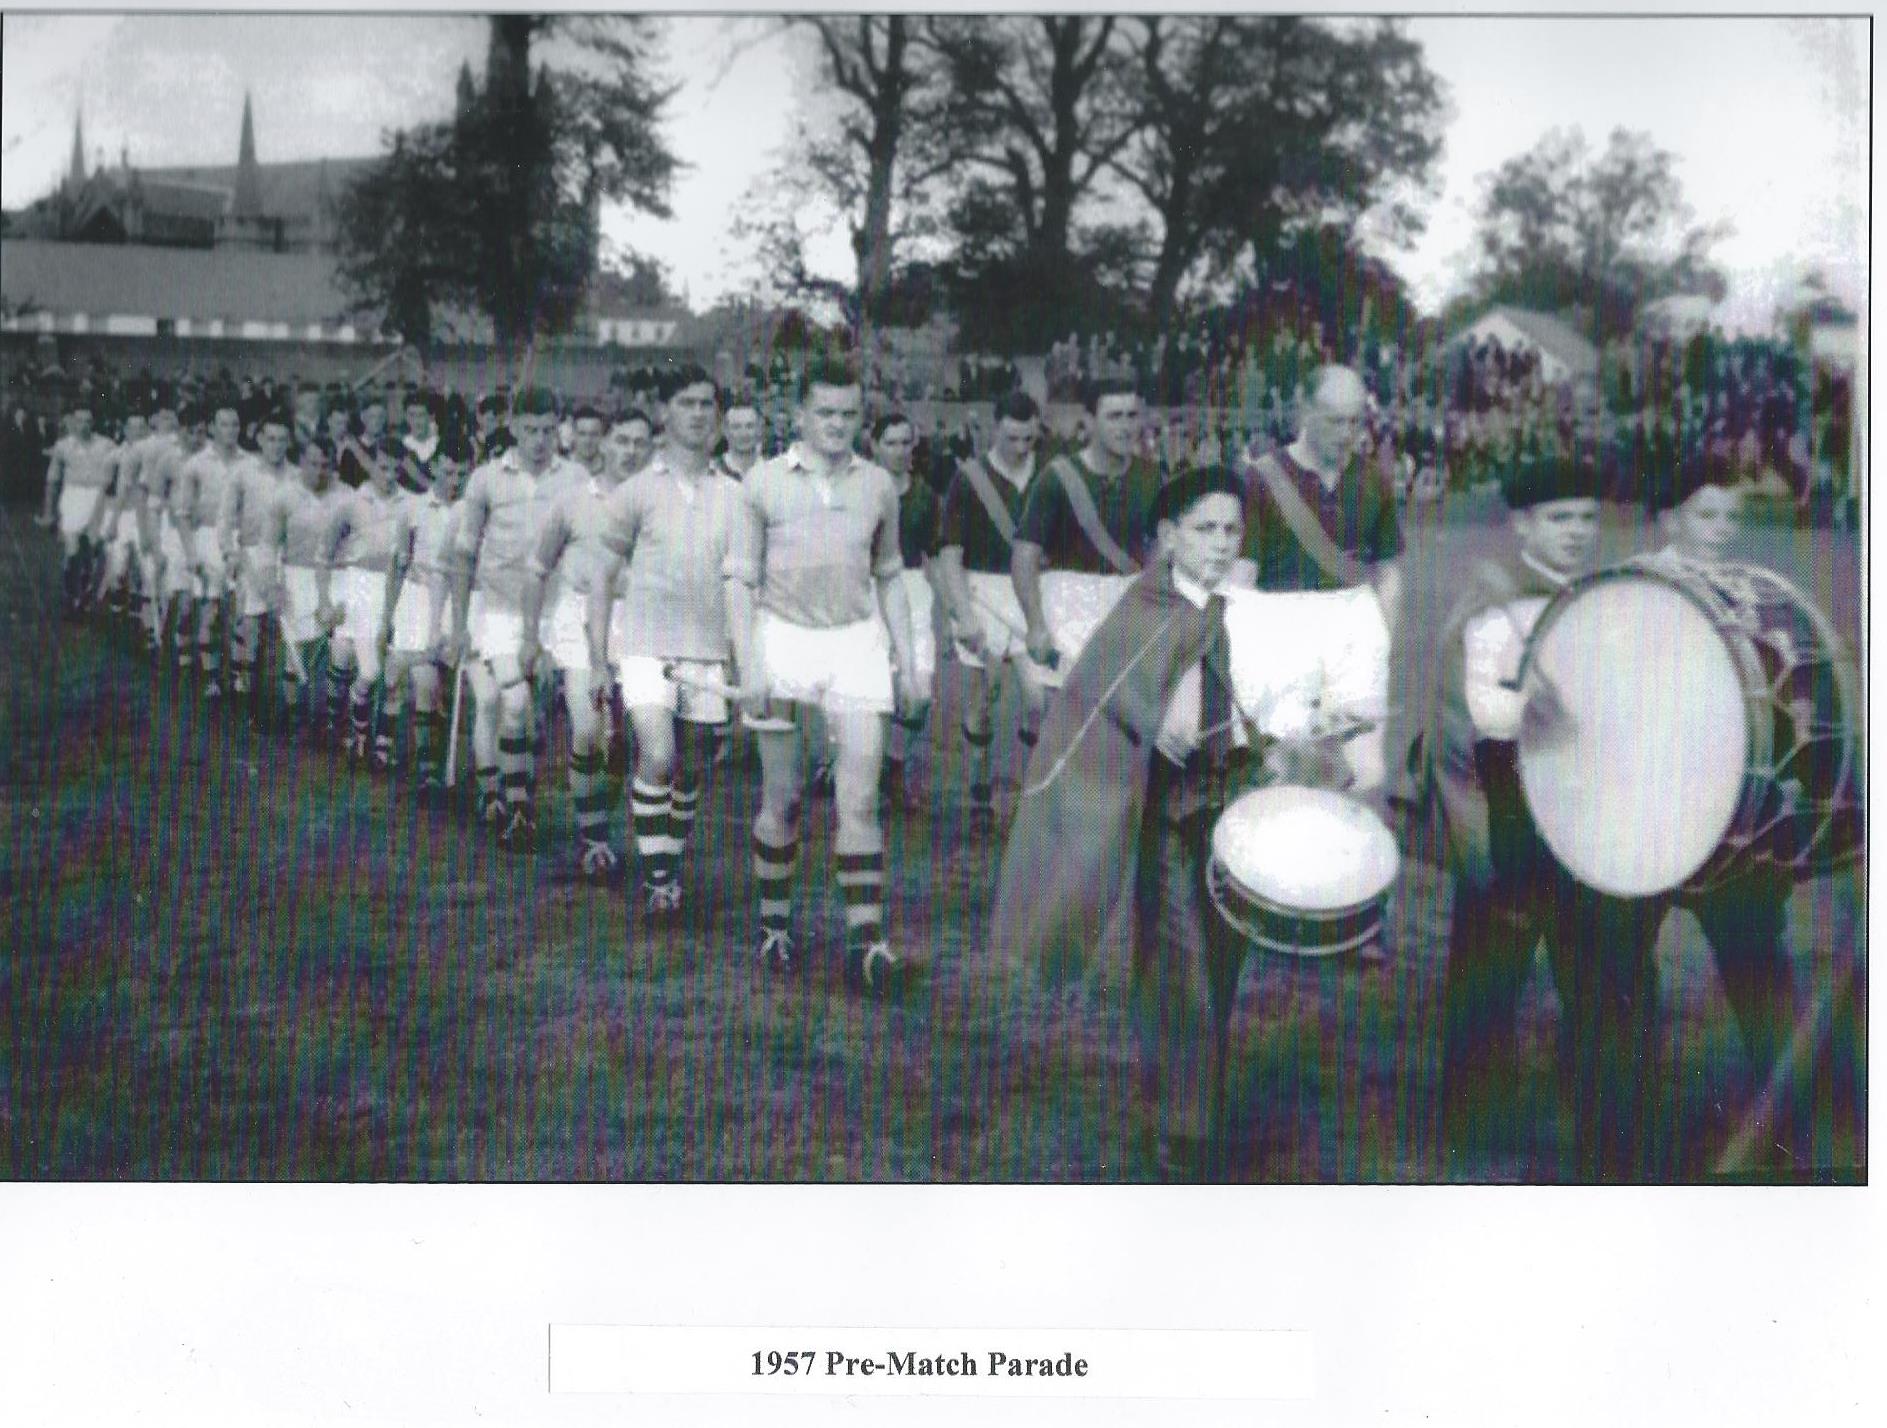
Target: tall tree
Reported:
point(498, 209)
point(1561, 227)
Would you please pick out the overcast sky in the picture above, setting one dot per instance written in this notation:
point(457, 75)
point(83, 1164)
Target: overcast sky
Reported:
point(1768, 117)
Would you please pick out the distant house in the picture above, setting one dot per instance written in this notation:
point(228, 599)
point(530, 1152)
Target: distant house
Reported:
point(1562, 351)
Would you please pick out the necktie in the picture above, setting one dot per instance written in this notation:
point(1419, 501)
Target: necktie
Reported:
point(1215, 698)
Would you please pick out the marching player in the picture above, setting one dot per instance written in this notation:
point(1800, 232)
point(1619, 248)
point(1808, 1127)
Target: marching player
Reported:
point(418, 596)
point(631, 443)
point(116, 580)
point(248, 498)
point(419, 443)
point(500, 514)
point(164, 523)
point(146, 504)
point(301, 517)
point(1087, 514)
point(1509, 891)
point(205, 481)
point(976, 539)
point(569, 549)
point(894, 439)
point(665, 533)
point(350, 597)
point(78, 483)
point(816, 531)
point(741, 430)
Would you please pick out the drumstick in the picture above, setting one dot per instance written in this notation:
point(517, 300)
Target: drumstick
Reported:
point(675, 673)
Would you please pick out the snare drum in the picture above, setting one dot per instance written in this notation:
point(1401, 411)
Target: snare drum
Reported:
point(1302, 870)
point(1711, 724)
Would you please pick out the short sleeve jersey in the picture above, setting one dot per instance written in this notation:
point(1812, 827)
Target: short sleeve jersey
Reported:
point(812, 543)
point(1359, 516)
point(965, 522)
point(249, 498)
point(501, 514)
point(206, 478)
point(305, 519)
point(575, 526)
point(676, 530)
point(426, 530)
point(90, 463)
point(1123, 503)
point(367, 523)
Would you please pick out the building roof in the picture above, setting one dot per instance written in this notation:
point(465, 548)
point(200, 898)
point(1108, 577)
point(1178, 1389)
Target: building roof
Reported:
point(1553, 337)
point(288, 189)
point(172, 283)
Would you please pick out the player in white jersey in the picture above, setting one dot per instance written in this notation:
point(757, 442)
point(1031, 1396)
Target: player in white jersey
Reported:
point(156, 453)
point(351, 584)
point(118, 531)
point(301, 517)
point(415, 618)
point(568, 546)
point(504, 503)
point(741, 427)
point(204, 485)
point(665, 532)
point(78, 483)
point(163, 522)
point(248, 501)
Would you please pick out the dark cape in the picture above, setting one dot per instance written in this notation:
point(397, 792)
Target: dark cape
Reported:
point(1064, 901)
point(1444, 771)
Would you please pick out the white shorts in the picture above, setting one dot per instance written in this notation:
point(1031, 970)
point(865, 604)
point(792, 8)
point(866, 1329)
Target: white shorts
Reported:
point(362, 596)
point(76, 505)
point(299, 603)
point(415, 630)
point(566, 631)
point(923, 602)
point(1074, 606)
point(124, 532)
point(845, 669)
point(495, 629)
point(177, 579)
point(993, 603)
point(254, 593)
point(216, 576)
point(644, 686)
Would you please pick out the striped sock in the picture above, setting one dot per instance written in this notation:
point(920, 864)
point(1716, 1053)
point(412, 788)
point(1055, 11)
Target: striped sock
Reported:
point(340, 686)
point(360, 714)
point(862, 884)
point(208, 657)
point(650, 807)
point(489, 786)
point(774, 869)
point(1027, 736)
point(681, 816)
point(429, 742)
point(514, 769)
point(589, 796)
point(383, 731)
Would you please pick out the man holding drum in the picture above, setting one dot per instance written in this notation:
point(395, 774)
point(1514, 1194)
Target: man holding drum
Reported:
point(1509, 890)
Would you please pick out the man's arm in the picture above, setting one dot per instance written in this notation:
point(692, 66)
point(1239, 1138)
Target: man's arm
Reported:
point(742, 569)
point(462, 552)
point(55, 482)
point(331, 537)
point(1025, 573)
point(549, 549)
point(1388, 582)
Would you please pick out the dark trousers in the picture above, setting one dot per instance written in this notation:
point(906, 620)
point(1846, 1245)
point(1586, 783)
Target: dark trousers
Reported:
point(1745, 920)
point(1599, 949)
point(1187, 958)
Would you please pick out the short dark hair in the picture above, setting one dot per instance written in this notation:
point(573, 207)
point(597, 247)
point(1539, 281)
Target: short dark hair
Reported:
point(889, 420)
point(1017, 406)
point(454, 446)
point(586, 411)
point(492, 402)
point(1096, 388)
point(275, 416)
point(320, 444)
point(534, 401)
point(680, 376)
point(635, 414)
point(830, 370)
point(1188, 489)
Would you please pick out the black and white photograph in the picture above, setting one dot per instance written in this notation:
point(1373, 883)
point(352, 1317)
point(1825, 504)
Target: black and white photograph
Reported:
point(1214, 601)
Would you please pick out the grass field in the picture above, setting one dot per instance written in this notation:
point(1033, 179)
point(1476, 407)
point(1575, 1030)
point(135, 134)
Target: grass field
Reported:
point(228, 959)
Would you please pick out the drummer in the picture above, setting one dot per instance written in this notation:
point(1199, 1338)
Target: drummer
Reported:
point(1744, 917)
point(1509, 892)
point(1085, 514)
point(1104, 872)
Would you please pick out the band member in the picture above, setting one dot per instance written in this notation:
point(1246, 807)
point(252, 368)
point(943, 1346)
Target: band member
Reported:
point(666, 532)
point(816, 530)
point(206, 480)
point(894, 438)
point(569, 549)
point(1103, 875)
point(503, 508)
point(1321, 516)
point(1509, 891)
point(417, 604)
point(301, 517)
point(350, 594)
point(1745, 916)
point(741, 430)
point(78, 486)
point(1085, 514)
point(976, 547)
point(248, 499)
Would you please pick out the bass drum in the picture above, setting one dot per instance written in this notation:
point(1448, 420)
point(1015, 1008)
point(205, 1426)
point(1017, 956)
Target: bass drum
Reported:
point(1711, 724)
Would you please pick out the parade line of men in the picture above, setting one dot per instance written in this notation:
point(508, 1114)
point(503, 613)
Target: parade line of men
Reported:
point(679, 584)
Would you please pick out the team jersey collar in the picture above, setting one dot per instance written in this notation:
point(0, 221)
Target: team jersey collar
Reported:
point(1546, 573)
point(798, 459)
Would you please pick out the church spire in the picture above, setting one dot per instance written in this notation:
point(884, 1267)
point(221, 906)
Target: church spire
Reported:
point(248, 198)
point(75, 177)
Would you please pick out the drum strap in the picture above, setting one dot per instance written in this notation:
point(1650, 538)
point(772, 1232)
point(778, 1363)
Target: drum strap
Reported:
point(1310, 532)
point(993, 504)
point(1088, 516)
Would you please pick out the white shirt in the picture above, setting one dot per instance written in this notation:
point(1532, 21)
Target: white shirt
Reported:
point(1184, 709)
point(1496, 641)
